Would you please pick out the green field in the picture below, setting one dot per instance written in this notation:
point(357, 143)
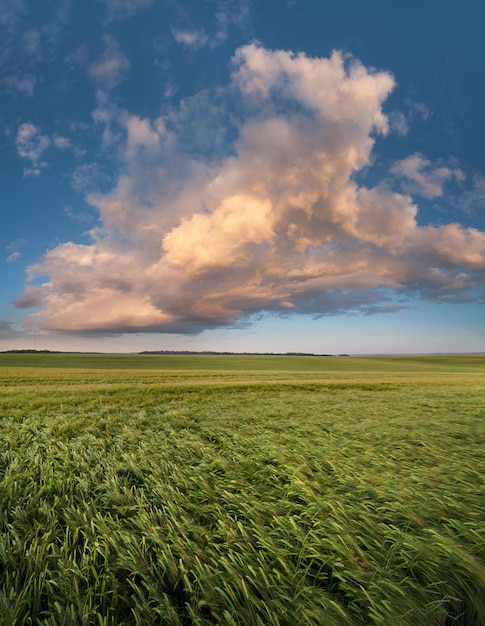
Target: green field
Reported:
point(242, 490)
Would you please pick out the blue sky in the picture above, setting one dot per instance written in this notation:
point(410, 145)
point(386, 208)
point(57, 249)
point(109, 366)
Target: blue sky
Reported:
point(243, 176)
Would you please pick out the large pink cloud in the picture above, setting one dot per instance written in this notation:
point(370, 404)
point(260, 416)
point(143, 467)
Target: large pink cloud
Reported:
point(278, 224)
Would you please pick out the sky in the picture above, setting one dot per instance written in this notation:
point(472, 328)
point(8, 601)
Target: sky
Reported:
point(242, 175)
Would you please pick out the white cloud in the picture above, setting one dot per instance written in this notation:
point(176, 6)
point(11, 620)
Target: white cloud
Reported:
point(421, 178)
point(275, 223)
point(61, 142)
point(31, 145)
point(111, 68)
point(142, 133)
point(191, 38)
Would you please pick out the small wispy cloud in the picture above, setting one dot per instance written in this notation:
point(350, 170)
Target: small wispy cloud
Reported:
point(195, 39)
point(417, 109)
point(11, 12)
point(472, 201)
point(60, 142)
point(82, 216)
point(23, 84)
point(111, 68)
point(421, 178)
point(31, 145)
point(118, 9)
point(14, 250)
point(230, 13)
point(32, 42)
point(13, 256)
point(87, 177)
point(399, 123)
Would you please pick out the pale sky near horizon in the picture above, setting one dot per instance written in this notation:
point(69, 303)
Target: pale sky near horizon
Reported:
point(272, 176)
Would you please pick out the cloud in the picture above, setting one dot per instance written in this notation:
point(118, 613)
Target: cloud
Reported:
point(276, 222)
point(399, 123)
point(227, 14)
point(14, 250)
point(86, 177)
point(418, 110)
point(31, 298)
point(24, 84)
point(25, 47)
point(195, 39)
point(8, 330)
point(230, 12)
point(60, 142)
point(32, 42)
point(141, 134)
point(421, 179)
point(79, 215)
point(31, 145)
point(11, 11)
point(472, 201)
point(111, 68)
point(118, 9)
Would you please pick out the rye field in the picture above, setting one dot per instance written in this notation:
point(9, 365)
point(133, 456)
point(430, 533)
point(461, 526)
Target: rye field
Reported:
point(242, 490)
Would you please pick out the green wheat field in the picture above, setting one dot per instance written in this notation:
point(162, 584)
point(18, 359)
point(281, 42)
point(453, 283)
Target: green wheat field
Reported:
point(242, 490)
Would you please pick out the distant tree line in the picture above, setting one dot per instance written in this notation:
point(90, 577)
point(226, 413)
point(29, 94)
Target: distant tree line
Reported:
point(214, 352)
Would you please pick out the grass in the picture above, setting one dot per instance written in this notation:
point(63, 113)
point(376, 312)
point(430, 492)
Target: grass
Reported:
point(242, 490)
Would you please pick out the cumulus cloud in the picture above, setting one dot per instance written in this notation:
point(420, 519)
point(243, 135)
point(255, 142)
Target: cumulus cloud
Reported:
point(276, 223)
point(31, 298)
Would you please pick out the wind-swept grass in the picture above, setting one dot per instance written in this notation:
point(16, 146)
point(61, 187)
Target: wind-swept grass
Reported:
point(250, 496)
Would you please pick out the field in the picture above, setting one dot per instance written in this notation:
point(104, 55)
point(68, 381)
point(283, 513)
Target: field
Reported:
point(242, 490)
